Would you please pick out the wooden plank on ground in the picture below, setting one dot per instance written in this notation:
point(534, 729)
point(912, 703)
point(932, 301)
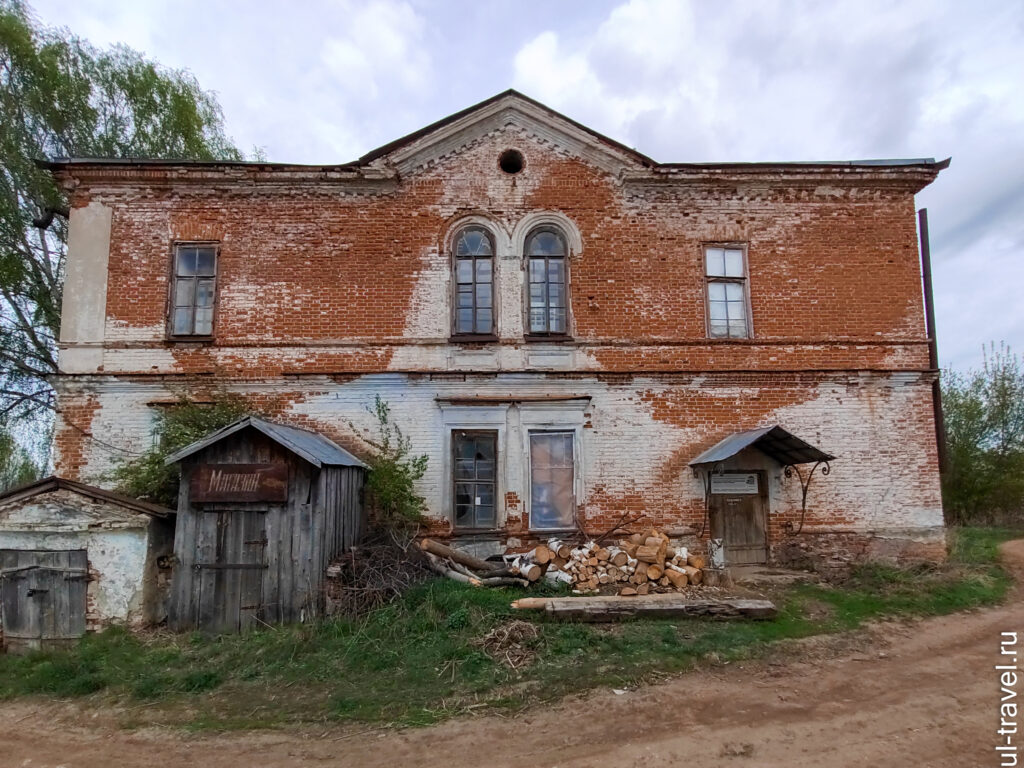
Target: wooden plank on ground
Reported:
point(616, 608)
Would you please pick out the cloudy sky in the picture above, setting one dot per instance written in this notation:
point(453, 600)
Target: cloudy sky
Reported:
point(324, 81)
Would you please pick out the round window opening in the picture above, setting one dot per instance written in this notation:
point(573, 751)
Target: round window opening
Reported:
point(511, 161)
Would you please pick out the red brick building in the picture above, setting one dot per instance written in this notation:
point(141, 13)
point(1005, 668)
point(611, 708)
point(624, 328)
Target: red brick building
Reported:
point(562, 324)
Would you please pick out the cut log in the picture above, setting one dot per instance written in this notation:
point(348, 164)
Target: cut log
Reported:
point(643, 589)
point(636, 538)
point(619, 557)
point(559, 562)
point(627, 591)
point(557, 577)
point(654, 572)
point(678, 578)
point(697, 561)
point(648, 554)
point(457, 556)
point(503, 581)
point(667, 605)
point(603, 555)
point(542, 555)
point(664, 582)
point(695, 575)
point(443, 568)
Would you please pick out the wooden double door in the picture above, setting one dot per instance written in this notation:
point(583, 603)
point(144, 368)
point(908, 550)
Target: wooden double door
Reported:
point(230, 567)
point(739, 516)
point(42, 598)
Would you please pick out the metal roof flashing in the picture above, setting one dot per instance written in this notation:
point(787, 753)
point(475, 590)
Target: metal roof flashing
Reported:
point(310, 446)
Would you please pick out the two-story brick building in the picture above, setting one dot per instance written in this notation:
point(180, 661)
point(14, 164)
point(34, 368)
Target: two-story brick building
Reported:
point(562, 324)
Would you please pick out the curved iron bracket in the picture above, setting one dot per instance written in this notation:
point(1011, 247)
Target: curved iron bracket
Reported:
point(805, 483)
point(720, 468)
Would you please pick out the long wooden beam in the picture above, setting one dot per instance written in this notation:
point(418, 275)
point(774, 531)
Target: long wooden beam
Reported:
point(616, 608)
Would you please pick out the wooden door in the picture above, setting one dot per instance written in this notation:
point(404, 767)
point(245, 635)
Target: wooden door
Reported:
point(231, 585)
point(42, 598)
point(739, 519)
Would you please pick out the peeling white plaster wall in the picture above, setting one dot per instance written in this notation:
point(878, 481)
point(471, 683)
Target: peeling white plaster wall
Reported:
point(115, 542)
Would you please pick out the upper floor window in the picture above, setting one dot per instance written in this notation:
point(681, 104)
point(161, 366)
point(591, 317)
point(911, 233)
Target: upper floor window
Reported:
point(474, 282)
point(728, 298)
point(193, 290)
point(546, 254)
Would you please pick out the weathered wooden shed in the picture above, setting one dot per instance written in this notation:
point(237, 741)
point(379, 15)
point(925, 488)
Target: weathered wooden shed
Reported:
point(262, 509)
point(76, 558)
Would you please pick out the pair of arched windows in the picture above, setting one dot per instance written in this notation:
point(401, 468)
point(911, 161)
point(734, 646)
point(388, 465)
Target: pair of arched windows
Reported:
point(547, 300)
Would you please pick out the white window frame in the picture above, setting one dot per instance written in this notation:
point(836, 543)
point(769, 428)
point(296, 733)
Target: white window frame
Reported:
point(743, 281)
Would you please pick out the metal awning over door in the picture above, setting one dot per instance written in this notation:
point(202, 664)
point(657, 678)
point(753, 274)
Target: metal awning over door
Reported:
point(777, 443)
point(785, 447)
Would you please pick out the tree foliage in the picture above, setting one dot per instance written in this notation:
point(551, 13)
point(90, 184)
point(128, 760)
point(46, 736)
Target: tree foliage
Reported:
point(147, 477)
point(62, 97)
point(17, 467)
point(984, 415)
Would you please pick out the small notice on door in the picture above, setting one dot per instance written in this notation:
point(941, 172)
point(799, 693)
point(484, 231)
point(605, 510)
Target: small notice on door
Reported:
point(734, 483)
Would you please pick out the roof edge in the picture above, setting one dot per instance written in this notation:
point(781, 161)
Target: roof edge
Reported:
point(55, 482)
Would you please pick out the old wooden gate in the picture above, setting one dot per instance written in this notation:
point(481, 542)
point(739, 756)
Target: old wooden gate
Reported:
point(738, 506)
point(231, 575)
point(42, 597)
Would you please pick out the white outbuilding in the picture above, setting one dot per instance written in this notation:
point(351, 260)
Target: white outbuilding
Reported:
point(75, 558)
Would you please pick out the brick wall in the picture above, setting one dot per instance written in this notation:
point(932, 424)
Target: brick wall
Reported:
point(332, 291)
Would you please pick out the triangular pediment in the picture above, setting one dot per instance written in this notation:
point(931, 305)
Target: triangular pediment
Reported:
point(508, 111)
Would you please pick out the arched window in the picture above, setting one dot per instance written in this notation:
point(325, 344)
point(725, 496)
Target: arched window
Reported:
point(546, 254)
point(474, 282)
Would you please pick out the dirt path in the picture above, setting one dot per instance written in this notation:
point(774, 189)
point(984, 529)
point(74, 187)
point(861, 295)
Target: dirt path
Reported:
point(910, 694)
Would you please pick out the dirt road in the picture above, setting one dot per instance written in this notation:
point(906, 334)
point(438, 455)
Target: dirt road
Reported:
point(908, 694)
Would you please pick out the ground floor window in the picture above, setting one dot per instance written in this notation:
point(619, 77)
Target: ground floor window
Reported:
point(474, 455)
point(552, 502)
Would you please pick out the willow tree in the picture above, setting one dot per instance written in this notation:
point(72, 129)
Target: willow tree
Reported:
point(62, 97)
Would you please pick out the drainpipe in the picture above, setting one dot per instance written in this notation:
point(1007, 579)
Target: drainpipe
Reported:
point(933, 349)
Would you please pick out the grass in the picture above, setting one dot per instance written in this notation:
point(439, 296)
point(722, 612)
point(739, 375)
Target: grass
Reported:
point(415, 662)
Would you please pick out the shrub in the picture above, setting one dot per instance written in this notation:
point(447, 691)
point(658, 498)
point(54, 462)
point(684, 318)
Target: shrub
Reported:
point(395, 508)
point(147, 477)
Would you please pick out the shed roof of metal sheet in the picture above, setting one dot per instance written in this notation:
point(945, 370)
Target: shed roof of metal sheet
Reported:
point(774, 441)
point(311, 446)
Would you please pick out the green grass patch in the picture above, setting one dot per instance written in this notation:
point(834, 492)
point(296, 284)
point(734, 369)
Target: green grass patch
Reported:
point(418, 661)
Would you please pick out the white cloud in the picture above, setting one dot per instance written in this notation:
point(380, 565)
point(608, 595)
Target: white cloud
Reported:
point(327, 80)
point(793, 81)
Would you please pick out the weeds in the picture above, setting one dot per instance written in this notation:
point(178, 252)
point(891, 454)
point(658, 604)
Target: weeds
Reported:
point(425, 657)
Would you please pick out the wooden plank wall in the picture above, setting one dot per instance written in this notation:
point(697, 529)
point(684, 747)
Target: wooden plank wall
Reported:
point(322, 517)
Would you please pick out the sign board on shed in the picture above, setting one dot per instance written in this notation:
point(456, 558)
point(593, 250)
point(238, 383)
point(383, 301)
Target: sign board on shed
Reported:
point(734, 483)
point(239, 482)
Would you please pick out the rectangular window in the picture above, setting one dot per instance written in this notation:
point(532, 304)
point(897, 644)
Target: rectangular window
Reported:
point(475, 455)
point(552, 501)
point(726, 274)
point(193, 290)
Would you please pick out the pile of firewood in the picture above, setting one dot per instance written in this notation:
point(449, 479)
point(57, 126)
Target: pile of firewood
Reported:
point(644, 562)
point(638, 565)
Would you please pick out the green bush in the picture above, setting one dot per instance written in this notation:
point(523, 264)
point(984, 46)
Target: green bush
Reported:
point(147, 477)
point(395, 507)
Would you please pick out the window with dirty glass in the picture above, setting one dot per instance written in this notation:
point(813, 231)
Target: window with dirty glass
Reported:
point(193, 290)
point(475, 456)
point(474, 282)
point(552, 501)
point(548, 300)
point(725, 267)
